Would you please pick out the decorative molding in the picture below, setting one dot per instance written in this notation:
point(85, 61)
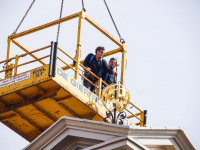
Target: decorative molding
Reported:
point(138, 137)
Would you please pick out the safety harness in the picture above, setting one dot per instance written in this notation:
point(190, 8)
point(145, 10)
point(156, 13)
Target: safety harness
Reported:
point(100, 64)
point(100, 67)
point(106, 76)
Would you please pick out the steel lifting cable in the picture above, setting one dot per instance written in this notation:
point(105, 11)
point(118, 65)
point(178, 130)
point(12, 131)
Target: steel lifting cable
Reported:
point(60, 18)
point(121, 39)
point(23, 17)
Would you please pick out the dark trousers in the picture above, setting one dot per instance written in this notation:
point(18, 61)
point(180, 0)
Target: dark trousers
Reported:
point(89, 85)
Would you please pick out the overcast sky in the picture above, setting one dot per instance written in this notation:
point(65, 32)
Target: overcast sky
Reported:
point(162, 38)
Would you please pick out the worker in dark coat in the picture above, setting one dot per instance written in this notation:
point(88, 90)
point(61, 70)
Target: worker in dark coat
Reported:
point(109, 78)
point(96, 64)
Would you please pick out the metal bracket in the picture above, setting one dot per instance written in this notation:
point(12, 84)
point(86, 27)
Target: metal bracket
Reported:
point(53, 58)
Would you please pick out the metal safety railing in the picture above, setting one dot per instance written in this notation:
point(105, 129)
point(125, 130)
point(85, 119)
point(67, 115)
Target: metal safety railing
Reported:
point(142, 114)
point(54, 57)
point(12, 69)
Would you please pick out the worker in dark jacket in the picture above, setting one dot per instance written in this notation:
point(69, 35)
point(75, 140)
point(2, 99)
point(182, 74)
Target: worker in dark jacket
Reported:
point(109, 78)
point(96, 64)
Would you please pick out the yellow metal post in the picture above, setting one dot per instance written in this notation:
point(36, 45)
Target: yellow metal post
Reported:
point(99, 87)
point(16, 64)
point(142, 118)
point(78, 49)
point(123, 64)
point(11, 70)
point(8, 56)
point(9, 47)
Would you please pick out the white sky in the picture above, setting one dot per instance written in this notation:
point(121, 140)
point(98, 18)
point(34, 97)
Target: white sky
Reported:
point(163, 50)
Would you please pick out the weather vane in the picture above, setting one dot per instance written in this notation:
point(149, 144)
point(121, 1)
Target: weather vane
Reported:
point(115, 99)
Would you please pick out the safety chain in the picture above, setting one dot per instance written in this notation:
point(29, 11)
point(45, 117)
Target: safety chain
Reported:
point(83, 8)
point(4, 66)
point(121, 39)
point(59, 23)
point(23, 18)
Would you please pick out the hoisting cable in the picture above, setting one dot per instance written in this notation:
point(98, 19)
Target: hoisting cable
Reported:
point(23, 17)
point(121, 39)
point(59, 23)
point(83, 8)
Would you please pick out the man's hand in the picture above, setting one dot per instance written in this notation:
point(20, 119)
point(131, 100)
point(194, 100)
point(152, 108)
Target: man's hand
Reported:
point(89, 68)
point(115, 73)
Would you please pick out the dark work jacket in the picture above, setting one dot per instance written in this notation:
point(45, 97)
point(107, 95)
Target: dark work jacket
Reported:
point(110, 79)
point(95, 65)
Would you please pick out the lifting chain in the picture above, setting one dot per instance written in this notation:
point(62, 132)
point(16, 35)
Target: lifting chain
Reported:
point(60, 18)
point(83, 8)
point(121, 39)
point(23, 18)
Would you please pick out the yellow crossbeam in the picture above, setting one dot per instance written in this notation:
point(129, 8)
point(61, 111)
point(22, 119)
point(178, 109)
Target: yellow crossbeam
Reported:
point(25, 54)
point(27, 50)
point(103, 31)
point(136, 107)
point(38, 59)
point(105, 55)
point(65, 63)
point(134, 115)
point(44, 26)
point(67, 54)
point(131, 116)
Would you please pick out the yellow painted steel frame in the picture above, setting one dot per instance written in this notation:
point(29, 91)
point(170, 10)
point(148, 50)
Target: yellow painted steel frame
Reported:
point(12, 39)
point(81, 16)
point(29, 117)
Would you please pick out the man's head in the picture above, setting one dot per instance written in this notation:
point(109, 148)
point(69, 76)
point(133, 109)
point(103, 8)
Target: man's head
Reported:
point(99, 51)
point(112, 63)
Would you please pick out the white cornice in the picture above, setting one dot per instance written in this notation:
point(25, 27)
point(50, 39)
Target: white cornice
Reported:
point(175, 133)
point(82, 124)
point(110, 130)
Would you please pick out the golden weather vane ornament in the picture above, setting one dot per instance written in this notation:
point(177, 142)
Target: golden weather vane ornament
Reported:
point(115, 98)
